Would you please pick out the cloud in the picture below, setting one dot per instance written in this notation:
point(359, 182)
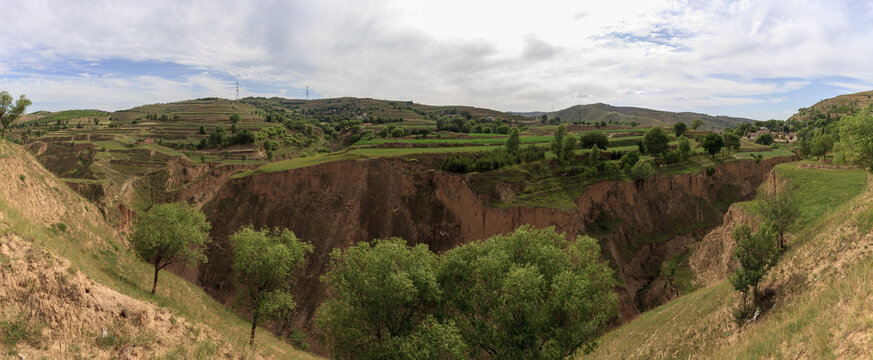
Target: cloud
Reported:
point(682, 55)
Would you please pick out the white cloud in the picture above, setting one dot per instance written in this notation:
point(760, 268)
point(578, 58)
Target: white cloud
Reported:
point(682, 55)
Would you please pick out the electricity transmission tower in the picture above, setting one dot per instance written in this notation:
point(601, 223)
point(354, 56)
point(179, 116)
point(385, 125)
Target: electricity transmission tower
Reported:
point(307, 93)
point(237, 90)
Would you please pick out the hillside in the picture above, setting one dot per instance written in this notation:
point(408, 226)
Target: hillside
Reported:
point(69, 287)
point(645, 117)
point(834, 107)
point(819, 293)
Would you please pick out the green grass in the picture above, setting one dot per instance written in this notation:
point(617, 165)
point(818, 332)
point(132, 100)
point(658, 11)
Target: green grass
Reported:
point(804, 321)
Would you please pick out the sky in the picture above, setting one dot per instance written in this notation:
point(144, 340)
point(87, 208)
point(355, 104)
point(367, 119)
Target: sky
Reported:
point(756, 59)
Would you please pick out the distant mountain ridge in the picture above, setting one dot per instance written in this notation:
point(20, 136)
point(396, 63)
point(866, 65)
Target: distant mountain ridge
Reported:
point(646, 117)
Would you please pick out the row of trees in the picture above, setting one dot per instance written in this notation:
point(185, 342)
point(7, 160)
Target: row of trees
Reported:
point(264, 261)
point(530, 294)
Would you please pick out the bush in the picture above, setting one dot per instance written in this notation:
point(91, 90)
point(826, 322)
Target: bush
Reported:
point(642, 170)
point(710, 170)
point(593, 138)
point(458, 164)
point(672, 156)
point(629, 159)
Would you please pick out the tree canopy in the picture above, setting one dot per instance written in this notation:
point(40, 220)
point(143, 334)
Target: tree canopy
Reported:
point(167, 234)
point(856, 139)
point(655, 141)
point(756, 254)
point(383, 305)
point(712, 143)
point(587, 140)
point(530, 294)
point(264, 262)
point(679, 128)
point(513, 142)
point(697, 123)
point(9, 112)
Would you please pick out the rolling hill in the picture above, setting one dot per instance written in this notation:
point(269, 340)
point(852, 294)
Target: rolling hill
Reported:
point(834, 107)
point(646, 117)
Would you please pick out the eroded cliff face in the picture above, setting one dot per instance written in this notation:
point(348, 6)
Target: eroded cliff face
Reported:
point(337, 204)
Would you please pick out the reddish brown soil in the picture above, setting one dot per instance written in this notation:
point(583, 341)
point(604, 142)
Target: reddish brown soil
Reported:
point(337, 204)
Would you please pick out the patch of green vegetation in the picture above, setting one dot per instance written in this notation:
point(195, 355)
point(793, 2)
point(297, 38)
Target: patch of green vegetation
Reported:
point(679, 273)
point(73, 114)
point(821, 190)
point(20, 329)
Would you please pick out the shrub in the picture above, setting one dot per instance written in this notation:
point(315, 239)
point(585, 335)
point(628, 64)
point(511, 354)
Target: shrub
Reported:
point(587, 140)
point(629, 159)
point(672, 156)
point(457, 164)
point(642, 170)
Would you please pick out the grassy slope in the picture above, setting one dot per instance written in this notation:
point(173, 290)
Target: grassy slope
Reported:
point(822, 283)
point(94, 248)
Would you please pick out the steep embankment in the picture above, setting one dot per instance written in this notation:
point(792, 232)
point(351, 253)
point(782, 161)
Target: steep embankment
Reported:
point(69, 287)
point(336, 204)
point(817, 298)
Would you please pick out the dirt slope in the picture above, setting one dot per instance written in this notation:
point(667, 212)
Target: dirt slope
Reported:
point(336, 204)
point(66, 278)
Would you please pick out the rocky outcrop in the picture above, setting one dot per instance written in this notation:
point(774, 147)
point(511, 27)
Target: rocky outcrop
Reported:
point(337, 204)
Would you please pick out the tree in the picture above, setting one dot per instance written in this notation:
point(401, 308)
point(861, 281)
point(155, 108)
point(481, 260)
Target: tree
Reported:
point(655, 141)
point(9, 112)
point(557, 144)
point(568, 152)
point(696, 124)
point(684, 145)
point(679, 128)
point(595, 156)
point(586, 141)
point(764, 139)
point(731, 142)
point(756, 254)
point(779, 208)
point(642, 170)
point(856, 139)
point(513, 142)
point(544, 119)
point(170, 233)
point(821, 144)
point(384, 299)
point(264, 262)
point(629, 159)
point(233, 128)
point(202, 130)
point(235, 118)
point(530, 294)
point(712, 143)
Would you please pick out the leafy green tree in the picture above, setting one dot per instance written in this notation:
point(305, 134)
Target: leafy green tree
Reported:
point(764, 139)
point(629, 159)
point(167, 234)
point(568, 152)
point(756, 254)
point(856, 139)
point(697, 123)
point(202, 130)
point(820, 145)
point(235, 118)
point(595, 156)
point(684, 146)
point(779, 208)
point(530, 294)
point(587, 140)
point(233, 128)
point(731, 142)
point(513, 142)
point(642, 170)
point(680, 128)
point(655, 141)
point(712, 143)
point(264, 262)
point(9, 112)
point(557, 144)
point(383, 298)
